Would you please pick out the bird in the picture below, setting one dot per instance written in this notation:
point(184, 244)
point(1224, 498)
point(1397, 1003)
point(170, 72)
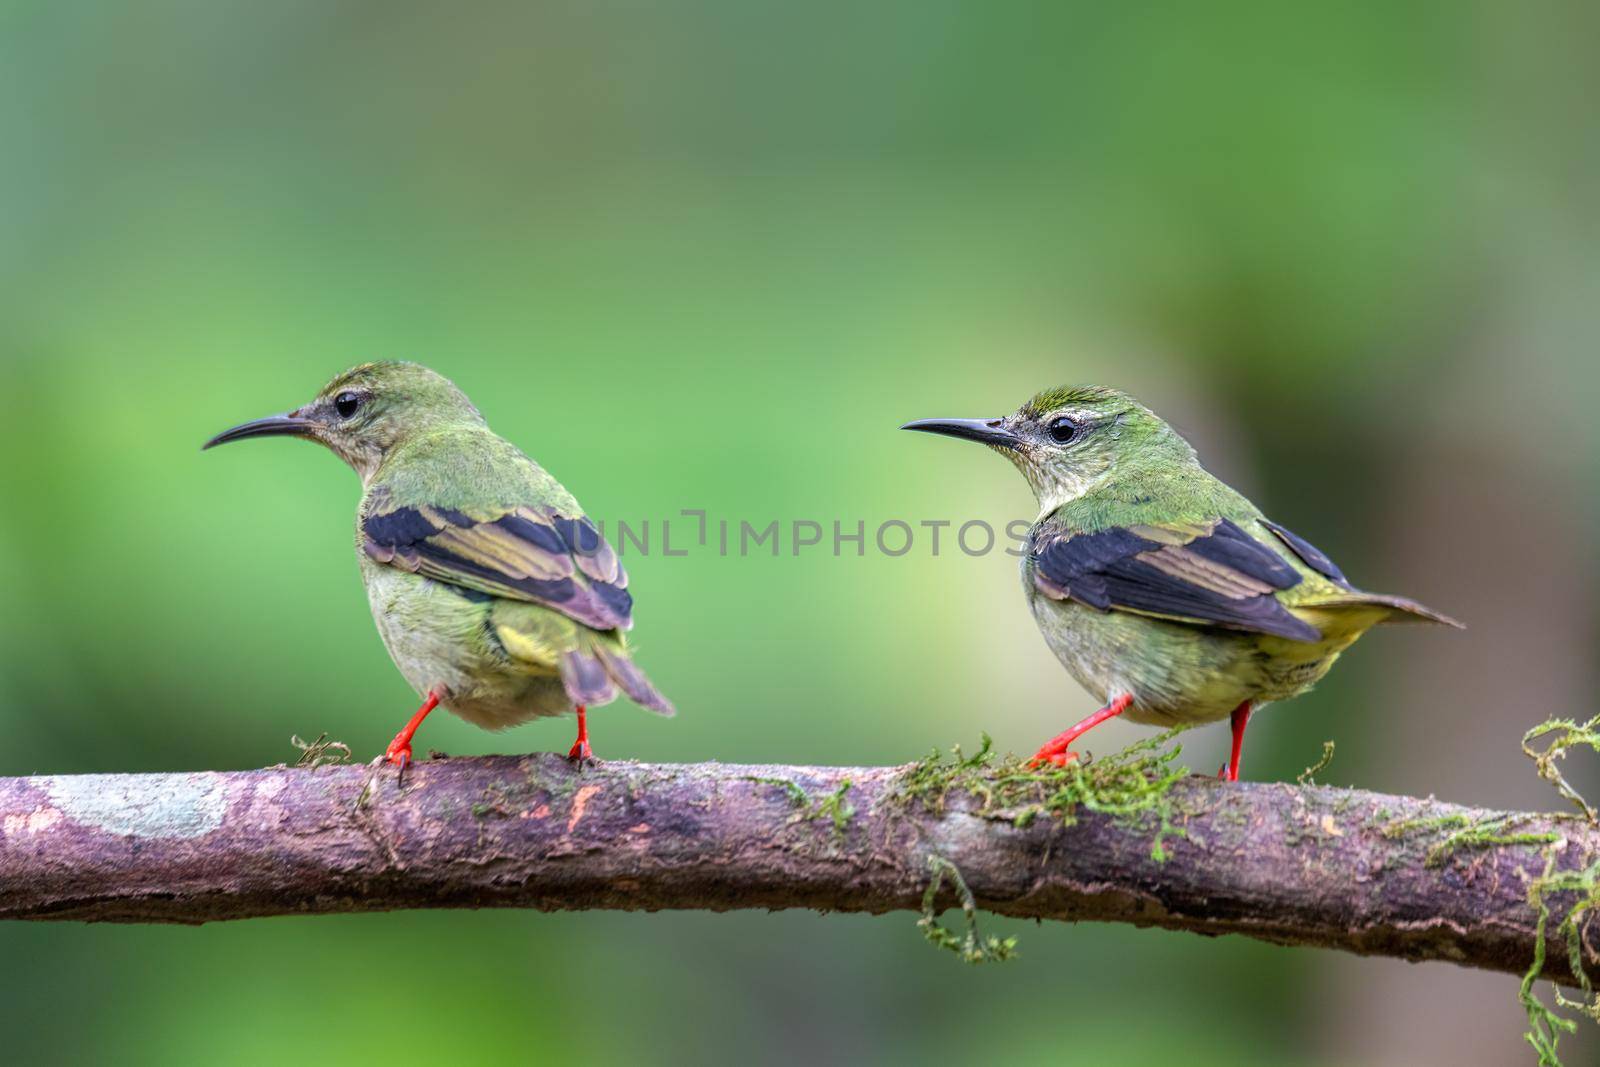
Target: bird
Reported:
point(1162, 590)
point(495, 595)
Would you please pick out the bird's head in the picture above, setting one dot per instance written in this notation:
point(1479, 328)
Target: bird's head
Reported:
point(1067, 441)
point(365, 412)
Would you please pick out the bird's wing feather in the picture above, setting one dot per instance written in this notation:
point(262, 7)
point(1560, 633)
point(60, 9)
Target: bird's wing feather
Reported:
point(1309, 554)
point(1343, 595)
point(1209, 573)
point(535, 554)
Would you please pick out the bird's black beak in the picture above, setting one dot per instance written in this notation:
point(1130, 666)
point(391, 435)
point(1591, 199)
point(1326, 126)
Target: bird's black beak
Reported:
point(289, 425)
point(990, 432)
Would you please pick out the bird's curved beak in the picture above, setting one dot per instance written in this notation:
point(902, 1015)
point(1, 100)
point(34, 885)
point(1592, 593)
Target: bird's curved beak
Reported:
point(991, 432)
point(289, 424)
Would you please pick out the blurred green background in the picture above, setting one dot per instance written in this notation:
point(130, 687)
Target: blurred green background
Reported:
point(710, 255)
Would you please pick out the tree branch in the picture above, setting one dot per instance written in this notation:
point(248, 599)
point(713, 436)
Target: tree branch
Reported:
point(1372, 874)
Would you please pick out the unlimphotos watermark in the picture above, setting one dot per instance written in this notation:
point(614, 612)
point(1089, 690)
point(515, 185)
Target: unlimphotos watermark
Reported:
point(697, 531)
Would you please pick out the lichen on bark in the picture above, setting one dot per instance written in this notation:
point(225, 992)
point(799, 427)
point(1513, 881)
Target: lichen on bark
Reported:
point(1132, 785)
point(1545, 1025)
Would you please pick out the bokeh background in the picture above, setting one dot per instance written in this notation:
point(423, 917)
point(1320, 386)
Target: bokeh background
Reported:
point(710, 255)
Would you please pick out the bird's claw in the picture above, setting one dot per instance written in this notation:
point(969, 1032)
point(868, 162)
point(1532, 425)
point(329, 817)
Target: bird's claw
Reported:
point(1046, 757)
point(581, 754)
point(399, 754)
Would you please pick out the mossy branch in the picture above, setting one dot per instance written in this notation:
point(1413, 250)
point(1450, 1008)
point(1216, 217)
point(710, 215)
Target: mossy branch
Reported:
point(1127, 839)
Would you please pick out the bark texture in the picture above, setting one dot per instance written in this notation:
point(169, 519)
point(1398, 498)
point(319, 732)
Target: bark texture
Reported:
point(1372, 874)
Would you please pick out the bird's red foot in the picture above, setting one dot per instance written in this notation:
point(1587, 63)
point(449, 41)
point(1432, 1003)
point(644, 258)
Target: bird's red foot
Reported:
point(1057, 751)
point(1229, 772)
point(580, 751)
point(399, 750)
point(1053, 751)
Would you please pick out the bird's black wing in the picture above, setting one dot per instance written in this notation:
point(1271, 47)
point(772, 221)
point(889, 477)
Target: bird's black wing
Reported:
point(528, 553)
point(1309, 554)
point(1209, 573)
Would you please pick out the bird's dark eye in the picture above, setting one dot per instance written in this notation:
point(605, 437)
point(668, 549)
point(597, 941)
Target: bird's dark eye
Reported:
point(1061, 429)
point(346, 404)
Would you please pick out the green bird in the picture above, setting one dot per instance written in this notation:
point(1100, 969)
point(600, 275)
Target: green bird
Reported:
point(495, 596)
point(1161, 589)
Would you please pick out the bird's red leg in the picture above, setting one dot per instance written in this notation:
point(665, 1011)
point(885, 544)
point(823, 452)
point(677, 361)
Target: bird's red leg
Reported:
point(399, 751)
point(1055, 750)
point(580, 747)
point(1241, 719)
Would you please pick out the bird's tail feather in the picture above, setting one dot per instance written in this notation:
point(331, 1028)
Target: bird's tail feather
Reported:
point(592, 674)
point(1401, 609)
point(585, 678)
point(632, 680)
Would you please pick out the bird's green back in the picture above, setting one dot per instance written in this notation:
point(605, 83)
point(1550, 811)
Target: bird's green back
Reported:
point(470, 468)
